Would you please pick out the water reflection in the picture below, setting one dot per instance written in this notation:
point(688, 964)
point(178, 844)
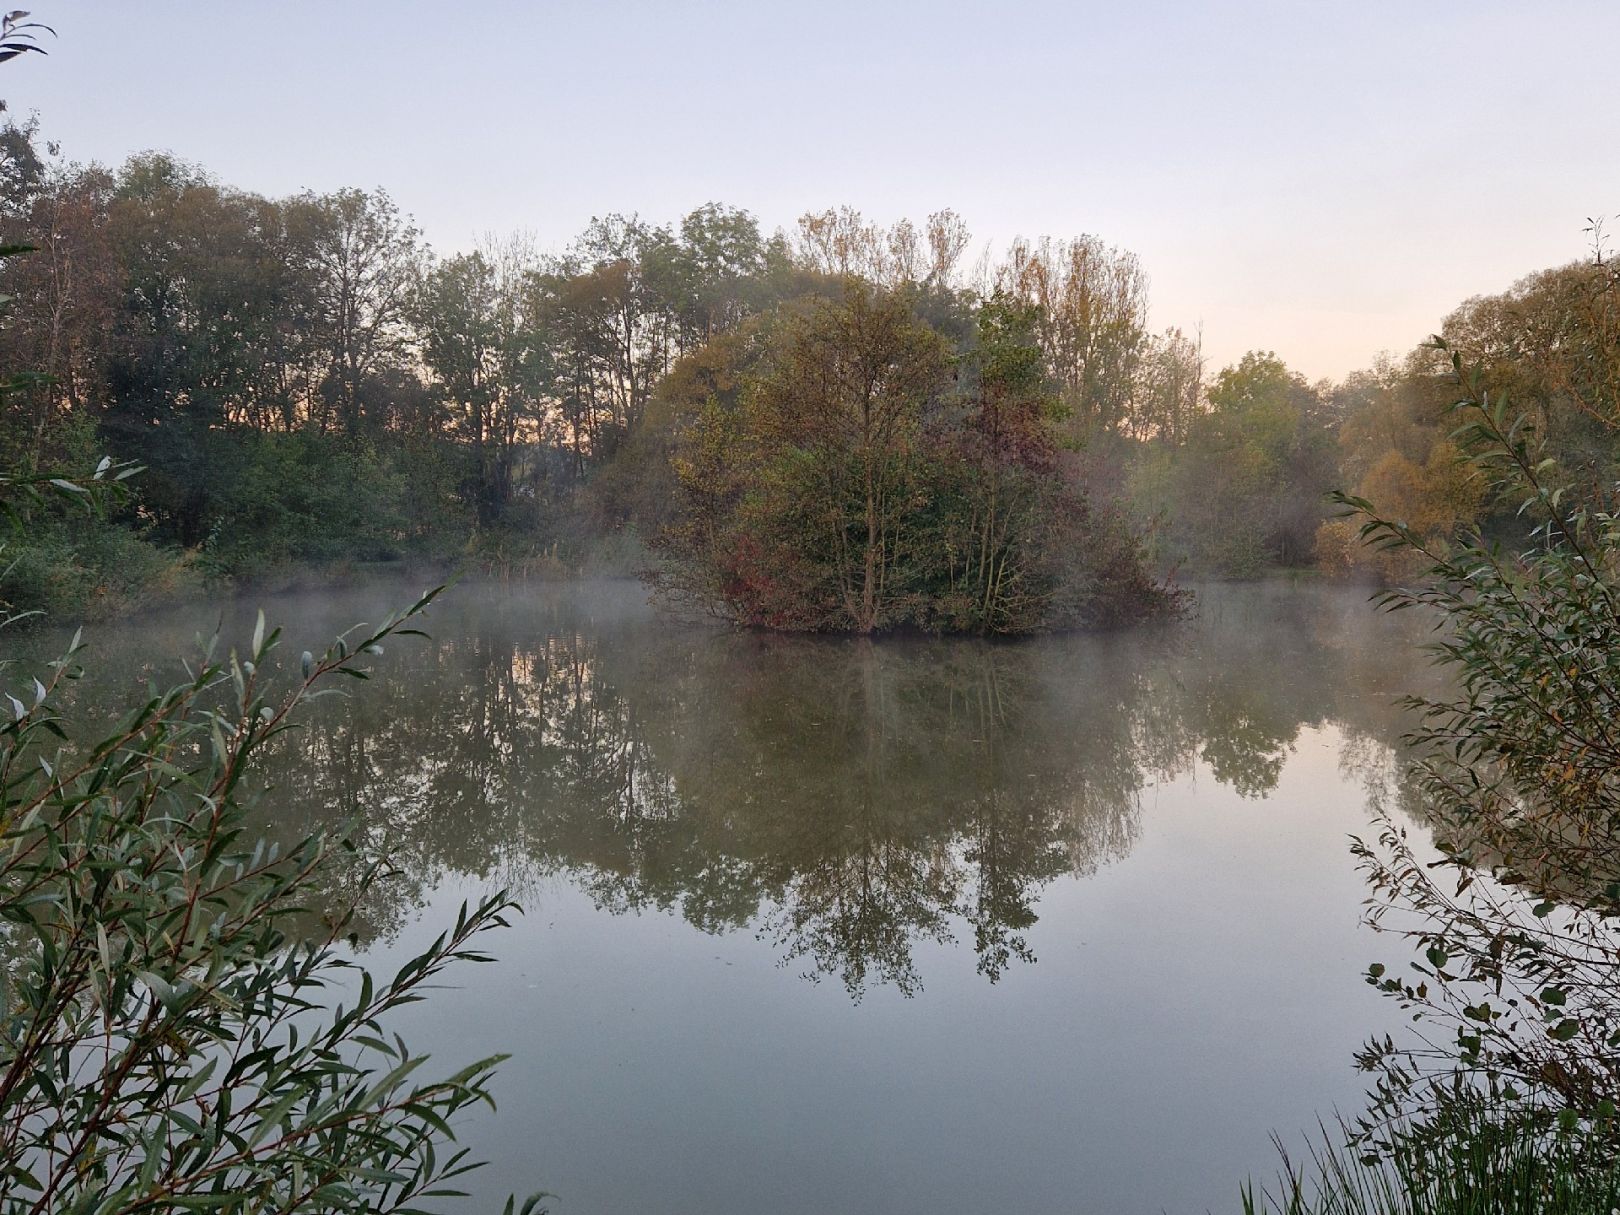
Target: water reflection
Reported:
point(848, 801)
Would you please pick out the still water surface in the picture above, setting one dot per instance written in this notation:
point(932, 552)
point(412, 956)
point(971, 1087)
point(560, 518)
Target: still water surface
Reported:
point(1067, 925)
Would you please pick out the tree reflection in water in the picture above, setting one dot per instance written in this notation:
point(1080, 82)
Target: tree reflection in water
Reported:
point(849, 800)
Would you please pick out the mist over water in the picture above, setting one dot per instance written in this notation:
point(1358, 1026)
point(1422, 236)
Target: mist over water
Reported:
point(1067, 924)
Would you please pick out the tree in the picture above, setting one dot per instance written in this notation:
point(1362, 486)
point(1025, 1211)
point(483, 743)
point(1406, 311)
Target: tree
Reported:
point(1093, 308)
point(841, 243)
point(361, 256)
point(68, 299)
point(490, 363)
point(1246, 488)
point(715, 271)
point(1170, 390)
point(839, 413)
point(995, 527)
point(798, 497)
point(1552, 341)
point(204, 338)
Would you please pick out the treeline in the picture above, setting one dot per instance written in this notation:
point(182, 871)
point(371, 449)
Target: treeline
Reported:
point(306, 383)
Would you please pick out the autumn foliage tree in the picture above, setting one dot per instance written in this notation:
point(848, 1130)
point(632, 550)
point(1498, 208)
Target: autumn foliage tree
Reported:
point(871, 476)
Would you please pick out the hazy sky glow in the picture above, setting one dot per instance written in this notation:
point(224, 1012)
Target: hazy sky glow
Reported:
point(1322, 179)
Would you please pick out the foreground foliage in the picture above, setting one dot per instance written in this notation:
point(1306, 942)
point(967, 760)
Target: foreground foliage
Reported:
point(1519, 773)
point(1475, 1159)
point(1505, 1095)
point(178, 1029)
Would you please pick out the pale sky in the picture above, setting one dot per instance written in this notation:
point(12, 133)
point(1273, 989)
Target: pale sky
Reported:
point(1322, 179)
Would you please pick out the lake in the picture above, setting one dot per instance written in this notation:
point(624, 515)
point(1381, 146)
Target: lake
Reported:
point(816, 925)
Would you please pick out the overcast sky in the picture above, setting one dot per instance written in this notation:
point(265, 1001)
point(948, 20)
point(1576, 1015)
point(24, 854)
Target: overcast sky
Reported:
point(1322, 179)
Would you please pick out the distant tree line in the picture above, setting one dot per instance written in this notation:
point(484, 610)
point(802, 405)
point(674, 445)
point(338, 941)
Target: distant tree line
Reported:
point(306, 383)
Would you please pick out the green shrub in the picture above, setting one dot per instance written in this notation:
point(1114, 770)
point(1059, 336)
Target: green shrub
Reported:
point(88, 568)
point(169, 1036)
point(301, 498)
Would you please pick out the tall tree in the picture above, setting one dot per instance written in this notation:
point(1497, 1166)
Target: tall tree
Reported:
point(1170, 389)
point(489, 365)
point(1252, 474)
point(840, 242)
point(848, 387)
point(1093, 308)
point(362, 256)
point(67, 298)
point(199, 339)
point(720, 258)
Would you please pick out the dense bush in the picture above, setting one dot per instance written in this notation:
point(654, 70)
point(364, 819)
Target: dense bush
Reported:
point(73, 566)
point(298, 499)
